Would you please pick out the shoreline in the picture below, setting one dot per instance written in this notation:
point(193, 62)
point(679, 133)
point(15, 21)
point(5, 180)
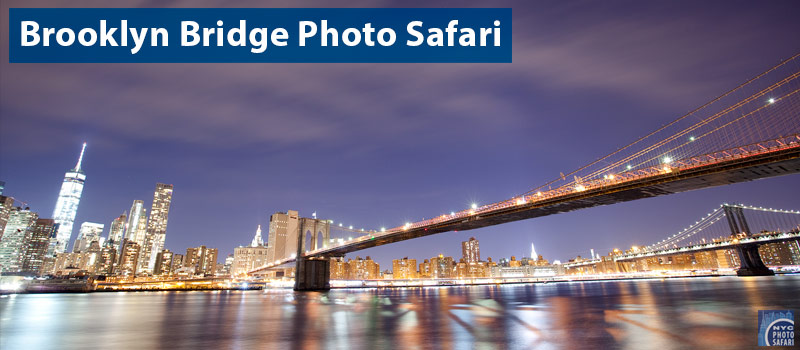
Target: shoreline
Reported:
point(81, 287)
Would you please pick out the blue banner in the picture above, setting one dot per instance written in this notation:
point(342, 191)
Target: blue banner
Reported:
point(402, 35)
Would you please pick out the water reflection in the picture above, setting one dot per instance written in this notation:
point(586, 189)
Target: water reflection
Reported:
point(665, 314)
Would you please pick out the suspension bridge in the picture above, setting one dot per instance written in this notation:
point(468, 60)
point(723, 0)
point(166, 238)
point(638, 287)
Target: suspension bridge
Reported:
point(750, 132)
point(725, 228)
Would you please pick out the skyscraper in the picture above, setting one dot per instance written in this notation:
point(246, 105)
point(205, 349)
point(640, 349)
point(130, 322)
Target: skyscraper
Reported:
point(157, 226)
point(283, 230)
point(37, 244)
point(15, 237)
point(470, 251)
point(137, 223)
point(67, 205)
point(6, 204)
point(117, 231)
point(89, 232)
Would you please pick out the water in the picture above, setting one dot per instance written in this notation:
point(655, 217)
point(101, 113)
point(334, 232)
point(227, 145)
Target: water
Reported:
point(687, 313)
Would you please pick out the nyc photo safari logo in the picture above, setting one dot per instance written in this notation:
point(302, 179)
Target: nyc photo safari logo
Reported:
point(775, 328)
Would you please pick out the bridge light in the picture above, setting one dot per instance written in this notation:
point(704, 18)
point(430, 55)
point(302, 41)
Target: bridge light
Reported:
point(629, 167)
point(452, 213)
point(771, 100)
point(383, 229)
point(611, 177)
point(340, 224)
point(351, 227)
point(691, 138)
point(520, 201)
point(474, 206)
point(667, 160)
point(580, 188)
point(539, 193)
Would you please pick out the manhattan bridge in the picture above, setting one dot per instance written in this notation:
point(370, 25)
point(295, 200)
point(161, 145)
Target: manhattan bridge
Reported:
point(747, 133)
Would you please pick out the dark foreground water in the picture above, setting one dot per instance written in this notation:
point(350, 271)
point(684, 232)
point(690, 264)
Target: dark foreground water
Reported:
point(702, 313)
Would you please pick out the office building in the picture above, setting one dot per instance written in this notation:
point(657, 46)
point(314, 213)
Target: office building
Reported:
point(203, 260)
point(117, 231)
point(67, 205)
point(6, 204)
point(15, 238)
point(257, 240)
point(89, 232)
point(163, 264)
point(136, 228)
point(128, 259)
point(37, 244)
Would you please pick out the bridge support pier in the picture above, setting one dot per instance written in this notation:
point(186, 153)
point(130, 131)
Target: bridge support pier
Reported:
point(751, 263)
point(312, 274)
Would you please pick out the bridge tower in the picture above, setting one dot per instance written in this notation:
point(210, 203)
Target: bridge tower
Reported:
point(311, 273)
point(750, 260)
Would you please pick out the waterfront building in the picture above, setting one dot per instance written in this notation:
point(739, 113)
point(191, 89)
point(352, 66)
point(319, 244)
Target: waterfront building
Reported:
point(202, 259)
point(163, 264)
point(69, 263)
point(67, 205)
point(6, 204)
point(526, 271)
point(339, 269)
point(89, 232)
point(404, 268)
point(363, 269)
point(37, 244)
point(156, 231)
point(128, 259)
point(514, 262)
point(246, 259)
point(105, 261)
point(117, 231)
point(425, 269)
point(442, 266)
point(470, 251)
point(779, 253)
point(15, 239)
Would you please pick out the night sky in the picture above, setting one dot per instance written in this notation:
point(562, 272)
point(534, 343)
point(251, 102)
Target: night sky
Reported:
point(380, 144)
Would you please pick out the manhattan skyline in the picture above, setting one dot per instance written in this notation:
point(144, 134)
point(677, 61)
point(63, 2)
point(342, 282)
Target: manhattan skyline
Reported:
point(239, 149)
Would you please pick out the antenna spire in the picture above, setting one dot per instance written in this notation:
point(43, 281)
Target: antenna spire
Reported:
point(80, 159)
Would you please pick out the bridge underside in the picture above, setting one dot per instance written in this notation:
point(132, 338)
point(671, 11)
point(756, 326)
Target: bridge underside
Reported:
point(778, 163)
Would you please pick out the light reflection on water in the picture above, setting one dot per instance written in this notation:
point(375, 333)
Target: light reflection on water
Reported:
point(686, 313)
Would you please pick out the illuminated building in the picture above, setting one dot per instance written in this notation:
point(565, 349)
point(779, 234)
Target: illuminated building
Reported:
point(246, 259)
point(425, 269)
point(117, 231)
point(470, 251)
point(404, 268)
point(15, 236)
point(6, 204)
point(203, 260)
point(163, 264)
point(90, 232)
point(442, 266)
point(106, 260)
point(514, 262)
point(363, 269)
point(128, 258)
point(338, 269)
point(257, 240)
point(37, 244)
point(136, 228)
point(779, 253)
point(67, 205)
point(156, 232)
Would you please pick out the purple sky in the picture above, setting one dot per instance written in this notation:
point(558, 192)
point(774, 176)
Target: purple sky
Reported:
point(379, 144)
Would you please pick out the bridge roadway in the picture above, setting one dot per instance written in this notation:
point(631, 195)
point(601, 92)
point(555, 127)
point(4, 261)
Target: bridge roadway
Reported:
point(727, 244)
point(747, 163)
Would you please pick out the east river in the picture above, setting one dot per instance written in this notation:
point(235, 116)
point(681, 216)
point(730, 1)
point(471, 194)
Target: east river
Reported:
point(680, 313)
